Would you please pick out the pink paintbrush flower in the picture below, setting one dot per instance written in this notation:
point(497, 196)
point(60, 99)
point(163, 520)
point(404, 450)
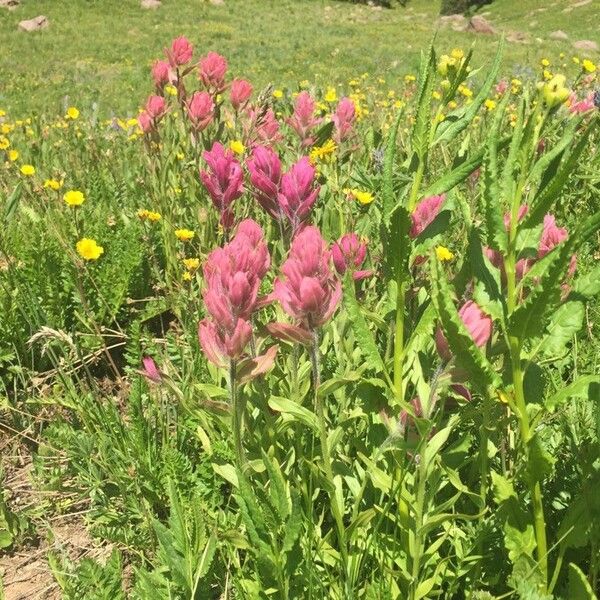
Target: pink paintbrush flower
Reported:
point(303, 121)
point(298, 192)
point(239, 93)
point(424, 214)
point(264, 167)
point(349, 252)
point(213, 68)
point(180, 52)
point(201, 110)
point(309, 292)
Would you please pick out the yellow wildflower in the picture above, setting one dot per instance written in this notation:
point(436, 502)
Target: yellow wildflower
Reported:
point(545, 62)
point(237, 147)
point(74, 198)
point(490, 104)
point(576, 60)
point(409, 78)
point(88, 249)
point(331, 95)
point(442, 253)
point(131, 122)
point(171, 90)
point(304, 83)
point(53, 184)
point(149, 215)
point(277, 94)
point(72, 113)
point(4, 143)
point(2, 113)
point(554, 92)
point(28, 170)
point(446, 63)
point(465, 91)
point(191, 264)
point(588, 66)
point(457, 54)
point(436, 95)
point(187, 276)
point(13, 155)
point(184, 235)
point(324, 153)
point(452, 104)
point(547, 75)
point(361, 196)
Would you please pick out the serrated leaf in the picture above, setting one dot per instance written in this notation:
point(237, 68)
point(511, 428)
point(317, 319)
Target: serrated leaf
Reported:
point(587, 386)
point(449, 132)
point(466, 353)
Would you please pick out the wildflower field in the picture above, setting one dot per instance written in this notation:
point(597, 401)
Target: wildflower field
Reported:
point(264, 339)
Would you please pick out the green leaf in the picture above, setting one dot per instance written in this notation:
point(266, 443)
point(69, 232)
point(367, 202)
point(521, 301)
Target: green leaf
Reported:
point(446, 133)
point(422, 127)
point(335, 383)
point(294, 411)
point(503, 488)
point(387, 191)
point(540, 461)
point(323, 134)
point(492, 195)
point(579, 586)
point(533, 314)
point(588, 285)
point(543, 200)
point(466, 353)
point(564, 324)
point(587, 387)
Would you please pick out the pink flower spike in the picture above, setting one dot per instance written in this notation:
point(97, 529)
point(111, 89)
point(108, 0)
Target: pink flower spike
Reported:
point(425, 213)
point(303, 121)
point(478, 325)
point(265, 175)
point(349, 253)
point(343, 119)
point(145, 122)
point(551, 235)
point(213, 68)
point(156, 107)
point(581, 106)
point(310, 292)
point(223, 180)
point(239, 93)
point(150, 370)
point(522, 212)
point(180, 52)
point(201, 110)
point(298, 193)
point(161, 73)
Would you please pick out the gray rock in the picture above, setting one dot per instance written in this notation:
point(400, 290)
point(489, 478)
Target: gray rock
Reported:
point(34, 24)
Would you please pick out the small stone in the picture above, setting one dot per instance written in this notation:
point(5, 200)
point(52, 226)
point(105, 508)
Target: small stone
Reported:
point(34, 24)
point(558, 35)
point(480, 24)
point(150, 4)
point(457, 22)
point(517, 37)
point(587, 46)
point(217, 2)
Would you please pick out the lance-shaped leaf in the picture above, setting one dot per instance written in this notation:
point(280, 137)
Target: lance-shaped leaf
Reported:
point(447, 132)
point(423, 121)
point(387, 190)
point(466, 353)
point(587, 387)
point(533, 314)
point(492, 196)
point(579, 586)
point(364, 336)
point(543, 200)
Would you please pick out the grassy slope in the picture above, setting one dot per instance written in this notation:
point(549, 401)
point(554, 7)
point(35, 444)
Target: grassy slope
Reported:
point(101, 50)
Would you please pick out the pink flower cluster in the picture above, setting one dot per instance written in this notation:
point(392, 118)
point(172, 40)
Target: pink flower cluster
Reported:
point(290, 195)
point(309, 291)
point(552, 236)
point(349, 253)
point(303, 121)
point(232, 275)
point(223, 180)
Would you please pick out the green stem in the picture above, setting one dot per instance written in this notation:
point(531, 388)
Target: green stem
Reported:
point(335, 509)
point(399, 337)
point(519, 394)
point(237, 411)
point(418, 527)
point(416, 186)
